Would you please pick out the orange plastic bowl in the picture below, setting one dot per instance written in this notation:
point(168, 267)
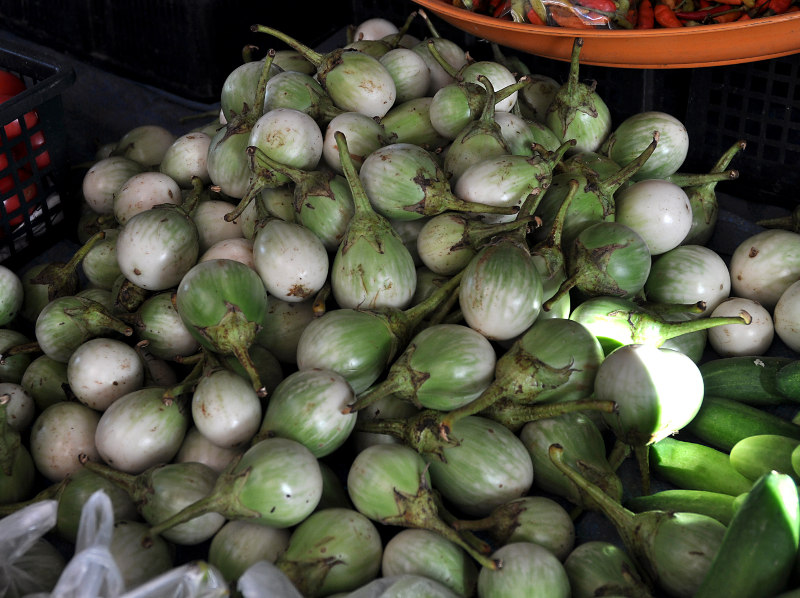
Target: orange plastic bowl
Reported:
point(686, 47)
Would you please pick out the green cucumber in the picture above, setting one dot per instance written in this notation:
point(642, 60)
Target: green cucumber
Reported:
point(759, 548)
point(714, 504)
point(749, 379)
point(721, 423)
point(787, 380)
point(694, 466)
point(756, 455)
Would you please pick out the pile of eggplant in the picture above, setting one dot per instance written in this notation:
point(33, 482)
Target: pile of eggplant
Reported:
point(398, 322)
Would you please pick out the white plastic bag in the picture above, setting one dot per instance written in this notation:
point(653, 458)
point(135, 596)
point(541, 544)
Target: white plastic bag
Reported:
point(403, 586)
point(265, 579)
point(92, 571)
point(193, 580)
point(19, 533)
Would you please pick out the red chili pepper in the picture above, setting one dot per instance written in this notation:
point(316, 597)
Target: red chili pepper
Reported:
point(665, 16)
point(534, 18)
point(632, 15)
point(645, 19)
point(699, 15)
point(779, 6)
point(607, 6)
point(500, 8)
point(728, 17)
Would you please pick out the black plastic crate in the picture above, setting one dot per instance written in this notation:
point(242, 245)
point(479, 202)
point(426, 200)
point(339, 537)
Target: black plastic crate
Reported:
point(186, 47)
point(36, 173)
point(758, 102)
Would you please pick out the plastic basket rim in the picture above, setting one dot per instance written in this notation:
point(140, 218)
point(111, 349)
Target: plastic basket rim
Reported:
point(61, 77)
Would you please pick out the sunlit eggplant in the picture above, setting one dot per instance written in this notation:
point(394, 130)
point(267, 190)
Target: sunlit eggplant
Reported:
point(364, 135)
point(508, 180)
point(657, 391)
point(157, 247)
point(617, 321)
point(410, 73)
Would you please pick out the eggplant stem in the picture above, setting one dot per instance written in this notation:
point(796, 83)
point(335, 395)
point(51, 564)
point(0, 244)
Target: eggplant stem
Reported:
point(123, 480)
point(618, 454)
point(648, 328)
point(223, 499)
point(516, 415)
point(685, 179)
point(260, 179)
point(101, 318)
point(437, 56)
point(621, 517)
point(56, 276)
point(32, 347)
point(52, 492)
point(392, 426)
point(261, 89)
point(444, 308)
point(422, 511)
point(312, 56)
point(371, 395)
point(642, 454)
point(413, 316)
point(609, 185)
point(318, 307)
point(564, 289)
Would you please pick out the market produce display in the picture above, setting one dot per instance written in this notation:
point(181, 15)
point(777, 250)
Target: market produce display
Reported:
point(639, 14)
point(403, 322)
